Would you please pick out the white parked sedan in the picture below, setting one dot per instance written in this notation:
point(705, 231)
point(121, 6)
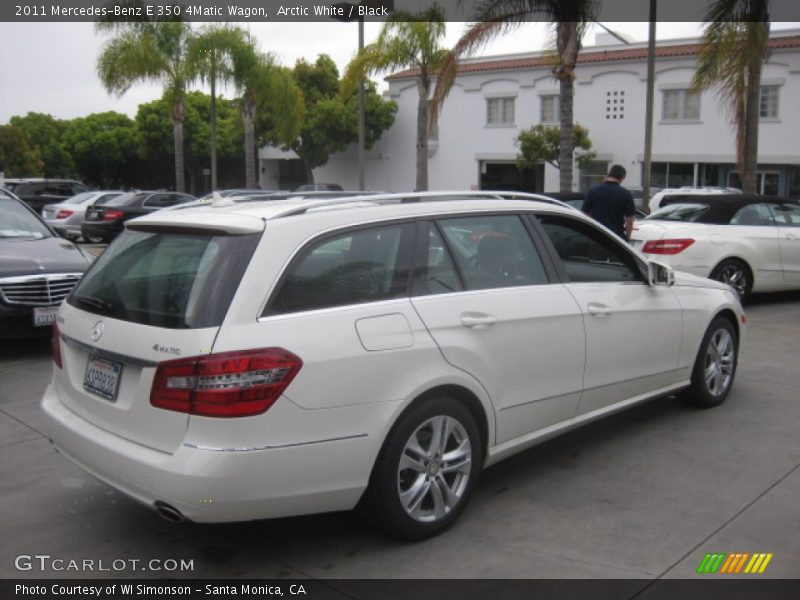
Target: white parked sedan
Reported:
point(248, 360)
point(750, 242)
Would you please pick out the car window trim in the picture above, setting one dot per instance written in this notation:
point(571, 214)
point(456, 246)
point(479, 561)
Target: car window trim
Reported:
point(421, 248)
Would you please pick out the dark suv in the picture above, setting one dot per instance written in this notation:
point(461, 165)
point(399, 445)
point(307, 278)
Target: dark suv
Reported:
point(38, 192)
point(108, 221)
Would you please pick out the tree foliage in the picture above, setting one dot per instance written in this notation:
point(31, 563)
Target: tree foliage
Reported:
point(103, 147)
point(331, 118)
point(541, 143)
point(18, 157)
point(46, 133)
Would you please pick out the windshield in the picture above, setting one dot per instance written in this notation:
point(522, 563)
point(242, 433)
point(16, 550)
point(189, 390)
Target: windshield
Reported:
point(16, 221)
point(171, 280)
point(679, 212)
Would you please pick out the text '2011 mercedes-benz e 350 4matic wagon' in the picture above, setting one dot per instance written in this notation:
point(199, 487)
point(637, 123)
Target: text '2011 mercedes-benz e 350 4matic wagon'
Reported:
point(249, 359)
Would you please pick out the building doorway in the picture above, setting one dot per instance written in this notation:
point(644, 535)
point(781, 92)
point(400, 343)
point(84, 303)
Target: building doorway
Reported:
point(506, 176)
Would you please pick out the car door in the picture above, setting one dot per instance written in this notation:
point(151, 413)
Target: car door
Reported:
point(787, 218)
point(633, 330)
point(488, 300)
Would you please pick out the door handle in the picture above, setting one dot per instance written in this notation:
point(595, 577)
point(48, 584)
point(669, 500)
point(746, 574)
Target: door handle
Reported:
point(477, 320)
point(598, 310)
point(792, 237)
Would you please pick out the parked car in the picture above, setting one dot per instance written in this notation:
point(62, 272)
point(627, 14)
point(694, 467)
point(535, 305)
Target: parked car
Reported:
point(38, 269)
point(319, 187)
point(672, 195)
point(38, 192)
point(237, 361)
point(66, 217)
point(748, 241)
point(107, 221)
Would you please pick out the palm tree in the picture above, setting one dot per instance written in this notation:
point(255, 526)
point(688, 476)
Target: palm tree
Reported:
point(495, 17)
point(406, 41)
point(150, 52)
point(735, 46)
point(261, 81)
point(210, 57)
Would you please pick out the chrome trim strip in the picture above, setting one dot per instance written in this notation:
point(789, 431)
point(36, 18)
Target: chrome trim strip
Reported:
point(274, 446)
point(95, 351)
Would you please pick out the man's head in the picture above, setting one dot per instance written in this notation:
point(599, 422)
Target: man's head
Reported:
point(617, 172)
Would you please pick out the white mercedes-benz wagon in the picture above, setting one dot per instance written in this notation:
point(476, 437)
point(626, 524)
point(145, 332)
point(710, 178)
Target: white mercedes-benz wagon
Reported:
point(247, 359)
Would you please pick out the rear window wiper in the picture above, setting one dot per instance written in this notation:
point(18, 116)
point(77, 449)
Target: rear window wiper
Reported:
point(96, 303)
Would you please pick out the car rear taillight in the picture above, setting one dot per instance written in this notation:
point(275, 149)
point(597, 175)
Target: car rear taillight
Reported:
point(666, 246)
point(55, 346)
point(228, 384)
point(63, 214)
point(111, 215)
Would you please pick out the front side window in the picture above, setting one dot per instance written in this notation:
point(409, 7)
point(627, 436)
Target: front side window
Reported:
point(589, 255)
point(367, 265)
point(500, 111)
point(549, 109)
point(493, 251)
point(768, 101)
point(681, 105)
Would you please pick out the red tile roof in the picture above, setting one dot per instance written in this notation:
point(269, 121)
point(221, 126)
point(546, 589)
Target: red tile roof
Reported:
point(600, 56)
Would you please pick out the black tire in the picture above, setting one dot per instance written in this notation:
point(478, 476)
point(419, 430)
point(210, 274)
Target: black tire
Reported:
point(382, 502)
point(95, 240)
point(736, 274)
point(715, 366)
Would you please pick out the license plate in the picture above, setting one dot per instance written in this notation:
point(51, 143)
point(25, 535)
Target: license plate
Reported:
point(102, 378)
point(44, 315)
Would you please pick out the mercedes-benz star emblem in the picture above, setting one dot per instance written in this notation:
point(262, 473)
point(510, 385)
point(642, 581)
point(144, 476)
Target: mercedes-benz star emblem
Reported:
point(97, 331)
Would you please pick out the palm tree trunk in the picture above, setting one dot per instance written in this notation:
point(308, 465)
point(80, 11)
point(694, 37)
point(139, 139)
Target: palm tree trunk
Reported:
point(424, 88)
point(568, 45)
point(248, 117)
point(177, 129)
point(749, 147)
point(213, 132)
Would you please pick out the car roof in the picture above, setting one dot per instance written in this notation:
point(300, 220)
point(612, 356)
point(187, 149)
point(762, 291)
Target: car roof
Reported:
point(249, 215)
point(722, 207)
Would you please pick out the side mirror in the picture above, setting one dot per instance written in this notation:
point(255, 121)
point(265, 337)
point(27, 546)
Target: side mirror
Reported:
point(660, 274)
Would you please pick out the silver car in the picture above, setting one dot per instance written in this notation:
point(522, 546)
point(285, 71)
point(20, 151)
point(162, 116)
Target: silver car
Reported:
point(66, 217)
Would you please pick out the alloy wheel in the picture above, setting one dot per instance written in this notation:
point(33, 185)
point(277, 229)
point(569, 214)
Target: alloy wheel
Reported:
point(719, 362)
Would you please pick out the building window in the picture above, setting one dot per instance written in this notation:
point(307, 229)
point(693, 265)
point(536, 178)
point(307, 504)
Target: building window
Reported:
point(681, 105)
point(500, 111)
point(615, 104)
point(671, 175)
point(549, 110)
point(768, 102)
point(594, 174)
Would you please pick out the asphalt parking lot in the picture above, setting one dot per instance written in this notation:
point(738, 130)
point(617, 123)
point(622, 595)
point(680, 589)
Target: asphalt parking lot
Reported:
point(644, 494)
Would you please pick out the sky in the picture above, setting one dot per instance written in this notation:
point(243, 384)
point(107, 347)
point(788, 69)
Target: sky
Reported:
point(50, 67)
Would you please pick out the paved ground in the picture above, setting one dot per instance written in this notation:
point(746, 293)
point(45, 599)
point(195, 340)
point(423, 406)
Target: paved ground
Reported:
point(644, 494)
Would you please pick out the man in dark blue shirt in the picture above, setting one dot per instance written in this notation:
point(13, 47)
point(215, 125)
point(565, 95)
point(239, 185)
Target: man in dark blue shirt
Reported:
point(611, 204)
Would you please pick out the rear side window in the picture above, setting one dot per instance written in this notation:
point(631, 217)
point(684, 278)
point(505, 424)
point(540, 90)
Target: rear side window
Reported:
point(177, 281)
point(360, 266)
point(493, 251)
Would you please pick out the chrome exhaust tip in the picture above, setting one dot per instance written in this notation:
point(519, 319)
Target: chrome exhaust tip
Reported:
point(168, 513)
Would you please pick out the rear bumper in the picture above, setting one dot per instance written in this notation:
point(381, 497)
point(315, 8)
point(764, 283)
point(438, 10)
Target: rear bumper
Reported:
point(101, 230)
point(217, 485)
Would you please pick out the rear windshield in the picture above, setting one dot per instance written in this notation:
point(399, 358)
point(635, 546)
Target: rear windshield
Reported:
point(79, 199)
point(679, 212)
point(172, 280)
point(126, 199)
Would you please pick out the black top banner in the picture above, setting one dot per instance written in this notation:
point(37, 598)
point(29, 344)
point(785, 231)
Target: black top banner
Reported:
point(252, 11)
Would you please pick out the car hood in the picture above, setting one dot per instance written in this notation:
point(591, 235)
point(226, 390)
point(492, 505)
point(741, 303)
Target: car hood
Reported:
point(26, 256)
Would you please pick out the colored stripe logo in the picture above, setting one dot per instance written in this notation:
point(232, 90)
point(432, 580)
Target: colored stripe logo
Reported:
point(734, 563)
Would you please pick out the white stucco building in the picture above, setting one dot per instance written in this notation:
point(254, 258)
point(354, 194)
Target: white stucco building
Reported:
point(494, 98)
